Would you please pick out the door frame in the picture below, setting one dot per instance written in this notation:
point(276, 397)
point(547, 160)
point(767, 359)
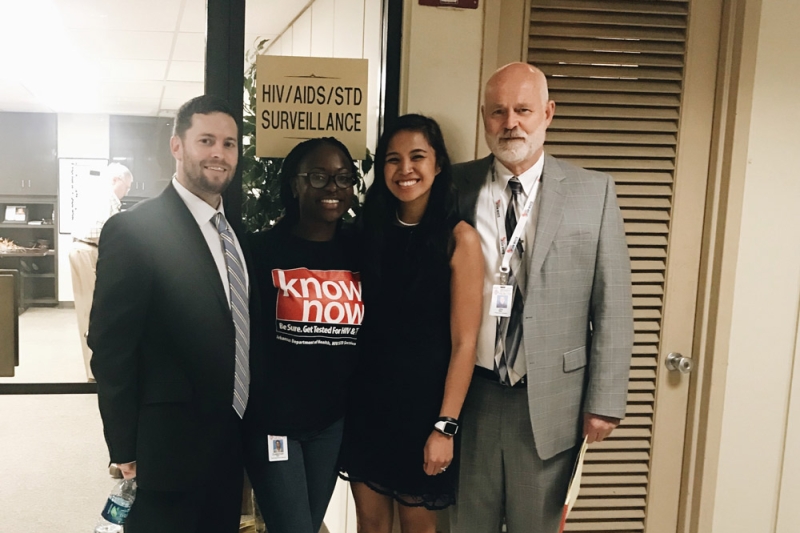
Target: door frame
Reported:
point(675, 392)
point(735, 75)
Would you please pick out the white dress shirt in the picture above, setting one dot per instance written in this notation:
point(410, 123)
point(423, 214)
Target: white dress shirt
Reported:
point(491, 229)
point(204, 215)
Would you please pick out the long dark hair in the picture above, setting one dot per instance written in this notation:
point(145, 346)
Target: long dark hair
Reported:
point(380, 207)
point(289, 168)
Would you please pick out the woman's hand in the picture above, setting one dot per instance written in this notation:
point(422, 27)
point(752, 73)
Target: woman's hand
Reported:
point(438, 453)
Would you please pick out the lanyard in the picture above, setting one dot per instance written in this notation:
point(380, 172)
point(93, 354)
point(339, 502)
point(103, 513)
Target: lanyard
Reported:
point(522, 221)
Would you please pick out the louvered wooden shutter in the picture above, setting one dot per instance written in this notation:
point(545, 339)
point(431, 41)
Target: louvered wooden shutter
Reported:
point(615, 69)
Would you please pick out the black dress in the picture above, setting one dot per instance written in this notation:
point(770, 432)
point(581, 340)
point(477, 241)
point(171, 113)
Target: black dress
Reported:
point(399, 386)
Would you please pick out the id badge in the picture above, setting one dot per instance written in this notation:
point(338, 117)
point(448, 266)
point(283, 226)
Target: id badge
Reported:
point(278, 448)
point(502, 296)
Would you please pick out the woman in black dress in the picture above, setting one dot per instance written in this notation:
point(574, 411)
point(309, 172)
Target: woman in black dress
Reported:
point(311, 298)
point(423, 283)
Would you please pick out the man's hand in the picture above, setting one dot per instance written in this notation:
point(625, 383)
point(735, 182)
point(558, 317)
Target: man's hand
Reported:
point(128, 470)
point(438, 453)
point(598, 427)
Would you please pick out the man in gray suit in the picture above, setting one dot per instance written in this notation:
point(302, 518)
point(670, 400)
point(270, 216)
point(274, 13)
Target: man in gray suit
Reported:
point(556, 369)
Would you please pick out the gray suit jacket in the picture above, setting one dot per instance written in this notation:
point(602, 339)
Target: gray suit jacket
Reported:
point(578, 322)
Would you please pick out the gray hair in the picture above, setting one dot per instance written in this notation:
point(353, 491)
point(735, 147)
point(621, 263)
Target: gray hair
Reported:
point(116, 170)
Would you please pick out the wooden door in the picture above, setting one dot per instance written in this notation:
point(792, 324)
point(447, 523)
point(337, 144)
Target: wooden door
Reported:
point(633, 81)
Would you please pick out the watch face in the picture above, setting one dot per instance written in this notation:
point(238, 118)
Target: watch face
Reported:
point(448, 428)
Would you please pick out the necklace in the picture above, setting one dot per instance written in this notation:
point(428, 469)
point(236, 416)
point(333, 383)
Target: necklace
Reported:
point(404, 224)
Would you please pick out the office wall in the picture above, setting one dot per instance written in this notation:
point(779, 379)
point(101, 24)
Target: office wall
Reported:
point(448, 54)
point(758, 484)
point(79, 136)
point(442, 69)
point(340, 28)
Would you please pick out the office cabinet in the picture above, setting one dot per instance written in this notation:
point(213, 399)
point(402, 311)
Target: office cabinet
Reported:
point(29, 247)
point(142, 145)
point(28, 143)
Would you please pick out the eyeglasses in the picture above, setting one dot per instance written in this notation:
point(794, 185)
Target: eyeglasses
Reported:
point(320, 180)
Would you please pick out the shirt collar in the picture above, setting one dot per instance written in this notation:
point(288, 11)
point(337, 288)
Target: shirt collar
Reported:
point(527, 178)
point(201, 211)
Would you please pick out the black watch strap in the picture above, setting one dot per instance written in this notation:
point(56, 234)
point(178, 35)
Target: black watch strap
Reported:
point(446, 426)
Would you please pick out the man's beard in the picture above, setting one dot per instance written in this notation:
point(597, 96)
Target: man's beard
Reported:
point(512, 152)
point(195, 173)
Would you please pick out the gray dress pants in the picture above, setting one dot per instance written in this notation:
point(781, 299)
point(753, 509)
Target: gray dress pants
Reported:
point(502, 478)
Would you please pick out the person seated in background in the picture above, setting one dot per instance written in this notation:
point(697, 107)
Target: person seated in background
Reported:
point(311, 293)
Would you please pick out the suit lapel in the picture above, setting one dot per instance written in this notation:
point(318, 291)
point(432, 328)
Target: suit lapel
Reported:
point(551, 209)
point(193, 242)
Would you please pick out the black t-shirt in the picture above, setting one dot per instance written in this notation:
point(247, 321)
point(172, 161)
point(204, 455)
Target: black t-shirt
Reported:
point(312, 313)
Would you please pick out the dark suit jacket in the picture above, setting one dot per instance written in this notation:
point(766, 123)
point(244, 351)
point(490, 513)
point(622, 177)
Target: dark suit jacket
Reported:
point(163, 342)
point(578, 314)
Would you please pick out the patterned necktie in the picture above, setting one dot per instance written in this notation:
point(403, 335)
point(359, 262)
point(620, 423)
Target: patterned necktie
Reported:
point(240, 313)
point(509, 329)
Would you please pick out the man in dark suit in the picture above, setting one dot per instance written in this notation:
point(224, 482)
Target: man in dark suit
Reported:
point(170, 334)
point(556, 369)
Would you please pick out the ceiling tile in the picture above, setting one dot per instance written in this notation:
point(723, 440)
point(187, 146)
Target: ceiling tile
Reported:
point(183, 91)
point(194, 17)
point(132, 69)
point(132, 89)
point(141, 15)
point(116, 52)
point(190, 47)
point(111, 44)
point(186, 71)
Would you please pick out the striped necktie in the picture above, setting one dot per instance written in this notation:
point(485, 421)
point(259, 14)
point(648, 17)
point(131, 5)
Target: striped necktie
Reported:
point(240, 313)
point(509, 329)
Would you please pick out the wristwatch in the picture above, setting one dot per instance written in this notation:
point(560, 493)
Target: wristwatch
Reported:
point(446, 426)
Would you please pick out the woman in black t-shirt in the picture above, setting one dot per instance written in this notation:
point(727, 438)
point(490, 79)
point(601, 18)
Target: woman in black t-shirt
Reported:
point(311, 297)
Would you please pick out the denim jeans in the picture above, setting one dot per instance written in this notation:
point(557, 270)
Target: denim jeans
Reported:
point(293, 495)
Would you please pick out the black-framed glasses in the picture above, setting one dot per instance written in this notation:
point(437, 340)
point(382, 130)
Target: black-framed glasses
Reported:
point(320, 180)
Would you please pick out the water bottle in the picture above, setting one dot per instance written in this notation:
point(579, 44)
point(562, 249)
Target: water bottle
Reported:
point(117, 507)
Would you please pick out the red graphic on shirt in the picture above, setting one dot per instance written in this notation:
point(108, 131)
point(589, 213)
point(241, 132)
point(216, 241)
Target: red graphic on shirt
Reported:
point(318, 304)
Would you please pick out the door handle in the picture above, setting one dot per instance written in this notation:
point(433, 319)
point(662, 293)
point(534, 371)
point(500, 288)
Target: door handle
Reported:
point(679, 363)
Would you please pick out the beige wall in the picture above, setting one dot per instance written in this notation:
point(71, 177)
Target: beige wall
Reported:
point(758, 483)
point(447, 56)
point(441, 75)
